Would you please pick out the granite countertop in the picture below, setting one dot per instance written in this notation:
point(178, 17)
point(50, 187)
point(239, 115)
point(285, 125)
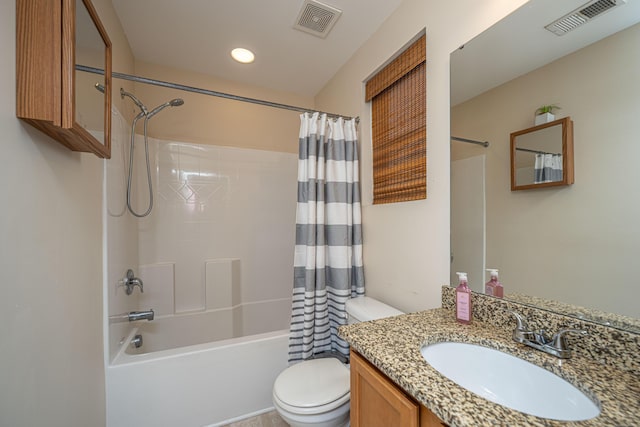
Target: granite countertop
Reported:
point(393, 345)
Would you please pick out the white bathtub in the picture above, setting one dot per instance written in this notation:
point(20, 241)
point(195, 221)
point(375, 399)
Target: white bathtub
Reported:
point(192, 373)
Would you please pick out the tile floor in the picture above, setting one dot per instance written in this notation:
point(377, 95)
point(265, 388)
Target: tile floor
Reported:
point(270, 419)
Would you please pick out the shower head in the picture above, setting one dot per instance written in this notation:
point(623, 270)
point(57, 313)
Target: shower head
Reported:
point(140, 105)
point(173, 103)
point(99, 87)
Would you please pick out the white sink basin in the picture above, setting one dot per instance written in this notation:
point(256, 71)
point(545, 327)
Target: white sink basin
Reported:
point(510, 381)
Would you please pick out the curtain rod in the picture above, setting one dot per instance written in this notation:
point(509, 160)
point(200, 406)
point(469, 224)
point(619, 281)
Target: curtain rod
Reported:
point(471, 141)
point(207, 92)
point(536, 151)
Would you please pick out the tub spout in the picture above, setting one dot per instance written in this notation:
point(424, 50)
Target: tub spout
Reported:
point(140, 315)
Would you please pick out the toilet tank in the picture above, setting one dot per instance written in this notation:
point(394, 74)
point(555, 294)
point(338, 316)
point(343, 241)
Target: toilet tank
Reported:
point(362, 309)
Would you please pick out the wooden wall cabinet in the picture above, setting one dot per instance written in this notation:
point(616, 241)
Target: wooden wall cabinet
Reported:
point(542, 156)
point(52, 36)
point(377, 402)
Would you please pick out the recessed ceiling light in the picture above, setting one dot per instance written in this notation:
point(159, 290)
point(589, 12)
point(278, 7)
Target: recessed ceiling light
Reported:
point(243, 55)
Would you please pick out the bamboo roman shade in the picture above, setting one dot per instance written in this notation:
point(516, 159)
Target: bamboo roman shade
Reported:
point(399, 132)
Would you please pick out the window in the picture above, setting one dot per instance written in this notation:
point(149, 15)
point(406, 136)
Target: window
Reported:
point(399, 131)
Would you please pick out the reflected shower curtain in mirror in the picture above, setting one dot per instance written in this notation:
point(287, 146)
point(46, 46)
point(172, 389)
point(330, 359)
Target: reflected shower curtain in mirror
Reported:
point(548, 168)
point(328, 253)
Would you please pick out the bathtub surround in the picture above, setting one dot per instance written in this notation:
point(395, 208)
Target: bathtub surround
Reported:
point(215, 203)
point(224, 316)
point(159, 291)
point(221, 278)
point(222, 283)
point(121, 239)
point(212, 326)
point(328, 266)
point(215, 258)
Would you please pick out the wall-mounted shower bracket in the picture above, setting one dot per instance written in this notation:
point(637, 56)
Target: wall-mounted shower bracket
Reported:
point(130, 281)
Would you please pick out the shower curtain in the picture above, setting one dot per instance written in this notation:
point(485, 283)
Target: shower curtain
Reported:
point(328, 253)
point(548, 168)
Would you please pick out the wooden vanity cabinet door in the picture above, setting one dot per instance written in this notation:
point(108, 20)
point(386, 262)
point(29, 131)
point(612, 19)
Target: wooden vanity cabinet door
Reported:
point(429, 419)
point(376, 401)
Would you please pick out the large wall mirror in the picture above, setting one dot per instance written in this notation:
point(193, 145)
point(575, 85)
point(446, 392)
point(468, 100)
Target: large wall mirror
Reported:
point(575, 244)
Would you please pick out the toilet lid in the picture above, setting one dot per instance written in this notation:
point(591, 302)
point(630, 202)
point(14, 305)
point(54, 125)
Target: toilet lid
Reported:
point(312, 383)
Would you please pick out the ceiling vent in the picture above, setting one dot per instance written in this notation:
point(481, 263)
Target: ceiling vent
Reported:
point(317, 18)
point(582, 15)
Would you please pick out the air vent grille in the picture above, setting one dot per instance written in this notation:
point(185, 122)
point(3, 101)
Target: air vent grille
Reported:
point(582, 15)
point(597, 8)
point(317, 18)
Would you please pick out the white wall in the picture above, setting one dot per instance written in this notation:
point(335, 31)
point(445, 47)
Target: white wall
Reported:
point(51, 309)
point(51, 366)
point(406, 245)
point(575, 244)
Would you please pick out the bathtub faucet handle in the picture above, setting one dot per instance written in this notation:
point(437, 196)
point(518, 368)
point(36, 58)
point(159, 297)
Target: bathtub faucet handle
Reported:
point(130, 282)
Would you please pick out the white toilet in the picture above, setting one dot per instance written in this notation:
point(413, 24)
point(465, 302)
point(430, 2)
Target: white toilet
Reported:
point(316, 392)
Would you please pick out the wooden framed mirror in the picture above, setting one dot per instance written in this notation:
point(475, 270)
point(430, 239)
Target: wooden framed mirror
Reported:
point(74, 108)
point(91, 92)
point(542, 156)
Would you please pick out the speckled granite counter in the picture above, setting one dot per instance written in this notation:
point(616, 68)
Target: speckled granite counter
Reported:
point(393, 345)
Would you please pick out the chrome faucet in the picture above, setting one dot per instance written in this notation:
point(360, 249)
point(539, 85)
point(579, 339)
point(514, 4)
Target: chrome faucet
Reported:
point(140, 315)
point(130, 282)
point(556, 345)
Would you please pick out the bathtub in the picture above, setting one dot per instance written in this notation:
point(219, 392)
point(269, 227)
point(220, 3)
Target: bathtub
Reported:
point(192, 369)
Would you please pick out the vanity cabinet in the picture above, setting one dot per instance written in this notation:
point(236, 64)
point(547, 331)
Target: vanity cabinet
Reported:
point(73, 107)
point(377, 402)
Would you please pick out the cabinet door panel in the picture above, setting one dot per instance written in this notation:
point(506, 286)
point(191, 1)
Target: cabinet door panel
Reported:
point(429, 419)
point(376, 401)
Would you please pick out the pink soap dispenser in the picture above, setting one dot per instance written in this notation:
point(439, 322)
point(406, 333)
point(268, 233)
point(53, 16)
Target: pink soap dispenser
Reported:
point(463, 300)
point(493, 286)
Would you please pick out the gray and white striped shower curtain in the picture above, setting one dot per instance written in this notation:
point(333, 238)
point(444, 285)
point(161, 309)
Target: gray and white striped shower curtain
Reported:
point(547, 168)
point(328, 254)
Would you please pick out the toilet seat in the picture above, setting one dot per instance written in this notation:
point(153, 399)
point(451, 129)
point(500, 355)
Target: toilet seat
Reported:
point(313, 386)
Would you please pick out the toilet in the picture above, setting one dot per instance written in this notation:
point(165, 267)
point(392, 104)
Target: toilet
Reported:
point(315, 393)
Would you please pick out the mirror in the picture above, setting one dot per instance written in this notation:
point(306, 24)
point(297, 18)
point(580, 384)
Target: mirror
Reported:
point(542, 156)
point(566, 246)
point(89, 101)
point(92, 48)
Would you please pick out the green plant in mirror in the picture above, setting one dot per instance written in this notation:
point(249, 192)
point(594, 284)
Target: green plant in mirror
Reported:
point(547, 109)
